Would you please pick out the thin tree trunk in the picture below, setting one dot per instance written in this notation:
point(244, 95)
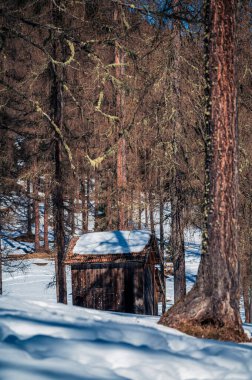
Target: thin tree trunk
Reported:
point(161, 222)
point(177, 228)
point(29, 209)
point(246, 299)
point(59, 231)
point(161, 227)
point(1, 266)
point(36, 215)
point(46, 219)
point(58, 200)
point(146, 209)
point(109, 213)
point(96, 199)
point(151, 210)
point(121, 183)
point(121, 147)
point(250, 302)
point(177, 243)
point(139, 210)
point(87, 200)
point(72, 214)
point(248, 307)
point(214, 300)
point(250, 286)
point(249, 269)
point(131, 210)
point(84, 208)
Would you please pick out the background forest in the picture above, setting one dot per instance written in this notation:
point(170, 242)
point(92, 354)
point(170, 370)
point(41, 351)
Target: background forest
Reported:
point(102, 115)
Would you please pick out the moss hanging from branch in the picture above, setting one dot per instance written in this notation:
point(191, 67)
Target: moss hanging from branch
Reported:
point(96, 162)
point(58, 133)
point(71, 57)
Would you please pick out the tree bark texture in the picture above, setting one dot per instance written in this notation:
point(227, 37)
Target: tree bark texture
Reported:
point(72, 214)
point(162, 242)
point(58, 200)
point(246, 262)
point(84, 202)
point(59, 231)
point(121, 147)
point(139, 224)
point(214, 300)
point(177, 241)
point(177, 227)
point(29, 211)
point(1, 267)
point(151, 210)
point(46, 219)
point(36, 215)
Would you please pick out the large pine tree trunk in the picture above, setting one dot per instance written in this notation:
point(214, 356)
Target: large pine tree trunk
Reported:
point(212, 306)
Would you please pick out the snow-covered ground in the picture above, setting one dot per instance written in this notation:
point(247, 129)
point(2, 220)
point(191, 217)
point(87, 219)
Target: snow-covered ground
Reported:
point(33, 279)
point(41, 341)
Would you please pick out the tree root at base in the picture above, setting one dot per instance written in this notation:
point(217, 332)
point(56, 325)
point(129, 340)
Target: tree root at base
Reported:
point(207, 328)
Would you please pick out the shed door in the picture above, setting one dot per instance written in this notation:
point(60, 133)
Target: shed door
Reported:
point(104, 289)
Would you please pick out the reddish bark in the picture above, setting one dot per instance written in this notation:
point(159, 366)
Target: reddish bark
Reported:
point(214, 300)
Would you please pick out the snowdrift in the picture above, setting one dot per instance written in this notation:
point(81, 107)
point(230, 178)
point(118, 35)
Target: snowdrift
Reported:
point(41, 340)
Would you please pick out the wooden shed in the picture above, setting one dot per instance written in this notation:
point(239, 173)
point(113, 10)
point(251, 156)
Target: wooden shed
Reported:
point(116, 271)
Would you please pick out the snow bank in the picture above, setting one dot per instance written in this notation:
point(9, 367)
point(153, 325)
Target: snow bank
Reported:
point(40, 341)
point(112, 242)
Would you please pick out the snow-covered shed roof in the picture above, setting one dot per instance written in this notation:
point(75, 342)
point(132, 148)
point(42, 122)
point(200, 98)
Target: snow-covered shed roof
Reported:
point(96, 245)
point(112, 242)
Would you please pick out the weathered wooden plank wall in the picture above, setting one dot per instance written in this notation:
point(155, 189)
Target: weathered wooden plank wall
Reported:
point(110, 286)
